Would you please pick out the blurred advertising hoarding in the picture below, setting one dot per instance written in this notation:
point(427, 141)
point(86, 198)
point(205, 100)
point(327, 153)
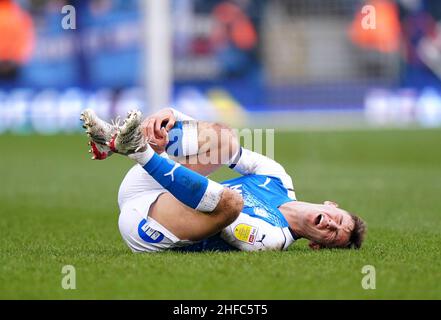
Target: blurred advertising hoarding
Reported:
point(232, 60)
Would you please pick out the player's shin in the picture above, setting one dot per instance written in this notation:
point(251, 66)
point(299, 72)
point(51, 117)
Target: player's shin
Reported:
point(189, 187)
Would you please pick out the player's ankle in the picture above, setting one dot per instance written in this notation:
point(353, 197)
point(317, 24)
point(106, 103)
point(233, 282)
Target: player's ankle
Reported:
point(143, 157)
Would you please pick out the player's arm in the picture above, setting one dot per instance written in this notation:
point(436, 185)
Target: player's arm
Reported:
point(198, 145)
point(250, 162)
point(204, 147)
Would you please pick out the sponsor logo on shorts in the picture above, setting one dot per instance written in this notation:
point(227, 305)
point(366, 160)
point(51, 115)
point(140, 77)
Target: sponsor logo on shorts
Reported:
point(245, 233)
point(148, 234)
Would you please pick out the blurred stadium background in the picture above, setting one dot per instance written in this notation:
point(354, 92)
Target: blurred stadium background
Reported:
point(285, 63)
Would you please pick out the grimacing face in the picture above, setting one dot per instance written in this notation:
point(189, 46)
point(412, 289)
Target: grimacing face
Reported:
point(327, 226)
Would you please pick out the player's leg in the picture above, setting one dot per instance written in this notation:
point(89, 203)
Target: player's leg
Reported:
point(191, 193)
point(156, 221)
point(145, 205)
point(189, 187)
point(189, 224)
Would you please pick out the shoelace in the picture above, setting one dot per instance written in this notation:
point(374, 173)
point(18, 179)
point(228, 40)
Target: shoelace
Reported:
point(141, 139)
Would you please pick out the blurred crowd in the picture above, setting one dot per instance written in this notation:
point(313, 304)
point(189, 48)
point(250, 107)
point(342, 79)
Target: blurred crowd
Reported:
point(263, 55)
point(17, 36)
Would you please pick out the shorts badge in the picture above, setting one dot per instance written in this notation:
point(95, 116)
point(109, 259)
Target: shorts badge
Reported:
point(149, 234)
point(245, 233)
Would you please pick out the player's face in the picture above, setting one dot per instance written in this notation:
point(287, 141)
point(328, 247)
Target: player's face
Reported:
point(328, 226)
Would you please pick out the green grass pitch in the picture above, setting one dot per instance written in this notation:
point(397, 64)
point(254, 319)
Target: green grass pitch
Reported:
point(59, 208)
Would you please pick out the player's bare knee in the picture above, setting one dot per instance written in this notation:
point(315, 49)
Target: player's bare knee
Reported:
point(230, 206)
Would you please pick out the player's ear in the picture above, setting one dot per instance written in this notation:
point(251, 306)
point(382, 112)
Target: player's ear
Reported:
point(314, 245)
point(331, 203)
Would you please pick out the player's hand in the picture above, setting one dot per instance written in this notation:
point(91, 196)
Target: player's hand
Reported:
point(156, 127)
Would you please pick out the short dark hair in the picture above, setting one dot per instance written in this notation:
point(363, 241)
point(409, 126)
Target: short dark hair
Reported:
point(358, 232)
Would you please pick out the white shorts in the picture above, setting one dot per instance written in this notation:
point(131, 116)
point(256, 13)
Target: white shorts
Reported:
point(137, 193)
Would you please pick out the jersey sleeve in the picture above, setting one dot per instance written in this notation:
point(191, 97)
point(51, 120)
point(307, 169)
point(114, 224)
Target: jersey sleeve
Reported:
point(254, 163)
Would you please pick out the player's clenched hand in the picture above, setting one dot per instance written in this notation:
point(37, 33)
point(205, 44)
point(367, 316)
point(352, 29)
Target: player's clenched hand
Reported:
point(156, 127)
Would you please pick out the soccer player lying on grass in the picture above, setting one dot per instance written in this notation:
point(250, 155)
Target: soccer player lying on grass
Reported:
point(172, 205)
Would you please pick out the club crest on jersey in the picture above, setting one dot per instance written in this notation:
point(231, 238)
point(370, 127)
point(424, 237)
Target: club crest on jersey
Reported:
point(149, 234)
point(245, 233)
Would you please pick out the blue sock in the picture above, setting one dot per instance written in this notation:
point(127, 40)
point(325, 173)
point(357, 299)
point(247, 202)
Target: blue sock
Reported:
point(189, 187)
